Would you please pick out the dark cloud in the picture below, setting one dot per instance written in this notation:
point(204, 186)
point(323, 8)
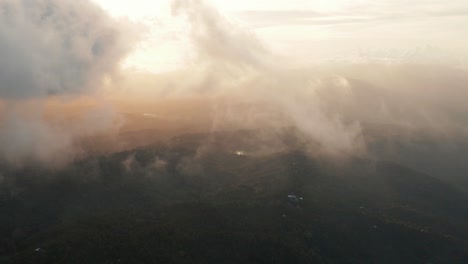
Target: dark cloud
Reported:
point(52, 47)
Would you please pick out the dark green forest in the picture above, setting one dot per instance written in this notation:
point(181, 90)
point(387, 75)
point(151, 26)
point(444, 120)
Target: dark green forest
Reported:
point(166, 203)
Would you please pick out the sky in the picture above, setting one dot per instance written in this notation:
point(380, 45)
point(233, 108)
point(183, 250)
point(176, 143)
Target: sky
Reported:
point(312, 31)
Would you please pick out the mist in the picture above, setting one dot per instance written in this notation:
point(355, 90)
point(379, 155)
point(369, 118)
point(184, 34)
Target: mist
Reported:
point(233, 82)
point(329, 104)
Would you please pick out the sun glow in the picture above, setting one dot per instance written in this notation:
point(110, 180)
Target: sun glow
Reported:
point(305, 31)
point(163, 47)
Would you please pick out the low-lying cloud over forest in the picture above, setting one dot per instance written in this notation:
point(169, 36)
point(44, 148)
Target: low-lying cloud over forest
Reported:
point(56, 53)
point(52, 48)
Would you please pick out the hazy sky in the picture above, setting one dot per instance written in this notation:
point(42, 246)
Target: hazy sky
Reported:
point(427, 31)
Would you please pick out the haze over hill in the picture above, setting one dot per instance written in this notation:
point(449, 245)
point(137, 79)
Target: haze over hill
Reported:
point(241, 149)
point(234, 81)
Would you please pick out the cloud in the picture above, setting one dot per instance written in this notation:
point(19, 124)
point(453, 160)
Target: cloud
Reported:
point(272, 18)
point(63, 49)
point(51, 47)
point(47, 133)
point(326, 106)
point(260, 92)
point(29, 139)
point(237, 84)
point(422, 96)
point(218, 41)
point(382, 12)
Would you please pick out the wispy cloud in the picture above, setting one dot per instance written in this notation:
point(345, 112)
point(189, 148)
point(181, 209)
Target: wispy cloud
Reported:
point(358, 13)
point(297, 17)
